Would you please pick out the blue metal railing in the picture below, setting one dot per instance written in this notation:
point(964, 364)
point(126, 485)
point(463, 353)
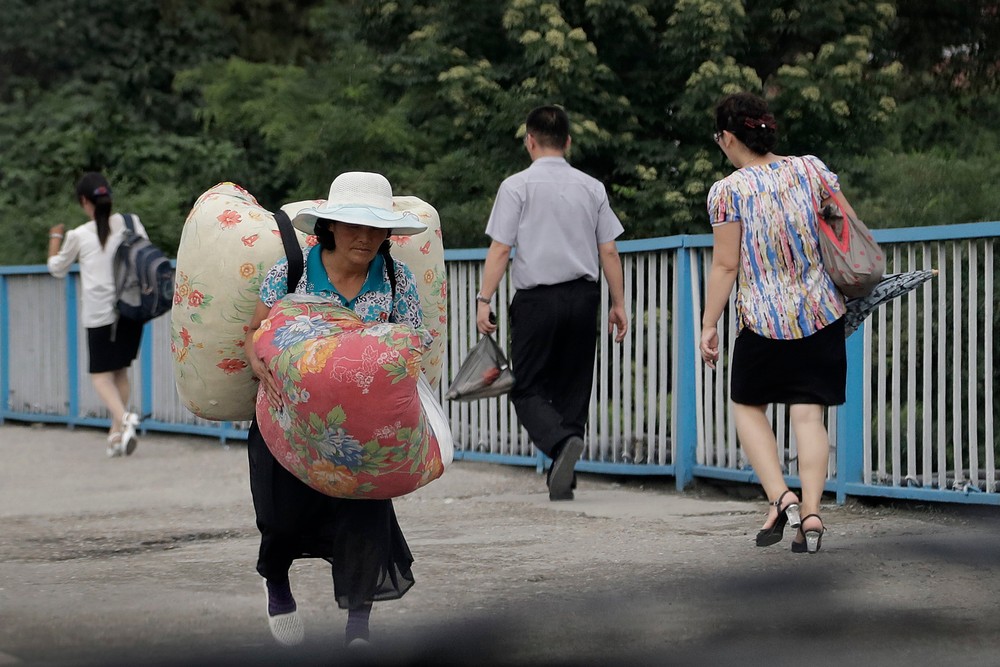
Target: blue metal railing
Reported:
point(650, 412)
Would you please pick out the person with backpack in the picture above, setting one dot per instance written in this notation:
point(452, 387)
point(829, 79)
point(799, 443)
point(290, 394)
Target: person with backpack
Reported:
point(349, 265)
point(112, 342)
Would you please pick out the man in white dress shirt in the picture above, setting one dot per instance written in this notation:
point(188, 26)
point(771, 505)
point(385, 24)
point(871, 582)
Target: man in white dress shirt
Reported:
point(559, 220)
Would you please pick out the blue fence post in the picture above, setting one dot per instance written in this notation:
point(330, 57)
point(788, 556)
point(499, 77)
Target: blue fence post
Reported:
point(4, 348)
point(686, 448)
point(850, 419)
point(72, 342)
point(146, 407)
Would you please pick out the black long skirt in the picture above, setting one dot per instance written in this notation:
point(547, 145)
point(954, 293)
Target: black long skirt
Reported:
point(809, 370)
point(361, 539)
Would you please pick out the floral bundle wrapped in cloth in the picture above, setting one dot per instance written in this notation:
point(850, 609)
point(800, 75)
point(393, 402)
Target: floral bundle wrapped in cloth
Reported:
point(358, 419)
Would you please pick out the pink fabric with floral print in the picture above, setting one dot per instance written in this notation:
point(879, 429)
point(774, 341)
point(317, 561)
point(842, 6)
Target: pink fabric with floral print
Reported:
point(352, 425)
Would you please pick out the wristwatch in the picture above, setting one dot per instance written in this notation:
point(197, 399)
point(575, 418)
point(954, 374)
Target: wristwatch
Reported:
point(482, 299)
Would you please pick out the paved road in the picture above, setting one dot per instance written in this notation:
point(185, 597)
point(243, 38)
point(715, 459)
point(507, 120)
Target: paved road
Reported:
point(150, 560)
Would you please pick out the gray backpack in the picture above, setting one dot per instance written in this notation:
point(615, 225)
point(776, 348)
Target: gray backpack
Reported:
point(144, 277)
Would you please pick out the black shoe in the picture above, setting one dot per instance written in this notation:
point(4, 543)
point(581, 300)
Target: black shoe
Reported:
point(561, 472)
point(799, 547)
point(788, 514)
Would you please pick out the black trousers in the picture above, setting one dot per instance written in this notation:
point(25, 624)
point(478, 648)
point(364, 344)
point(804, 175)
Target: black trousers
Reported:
point(553, 340)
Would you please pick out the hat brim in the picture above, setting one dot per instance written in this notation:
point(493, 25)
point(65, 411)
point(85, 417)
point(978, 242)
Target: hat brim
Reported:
point(399, 223)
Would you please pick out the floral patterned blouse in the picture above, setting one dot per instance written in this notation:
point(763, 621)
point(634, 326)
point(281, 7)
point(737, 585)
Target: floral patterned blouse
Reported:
point(783, 291)
point(372, 304)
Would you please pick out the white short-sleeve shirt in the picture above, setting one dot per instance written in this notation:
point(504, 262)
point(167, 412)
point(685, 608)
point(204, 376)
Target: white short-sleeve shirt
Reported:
point(96, 273)
point(556, 216)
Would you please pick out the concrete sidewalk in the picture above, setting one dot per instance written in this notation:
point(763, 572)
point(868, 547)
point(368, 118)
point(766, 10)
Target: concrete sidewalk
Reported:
point(150, 560)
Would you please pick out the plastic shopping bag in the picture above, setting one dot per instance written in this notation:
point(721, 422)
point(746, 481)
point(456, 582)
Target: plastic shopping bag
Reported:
point(484, 373)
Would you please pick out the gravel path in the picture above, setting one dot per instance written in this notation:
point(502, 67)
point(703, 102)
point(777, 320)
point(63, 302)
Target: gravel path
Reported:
point(150, 560)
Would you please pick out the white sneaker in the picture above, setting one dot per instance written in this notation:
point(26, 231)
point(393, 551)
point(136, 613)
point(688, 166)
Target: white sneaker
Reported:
point(359, 645)
point(114, 449)
point(130, 422)
point(287, 629)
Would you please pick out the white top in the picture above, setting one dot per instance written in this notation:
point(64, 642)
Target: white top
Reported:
point(556, 216)
point(96, 273)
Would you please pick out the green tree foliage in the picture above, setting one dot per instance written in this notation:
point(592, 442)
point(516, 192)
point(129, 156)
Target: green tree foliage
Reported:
point(90, 87)
point(169, 97)
point(937, 164)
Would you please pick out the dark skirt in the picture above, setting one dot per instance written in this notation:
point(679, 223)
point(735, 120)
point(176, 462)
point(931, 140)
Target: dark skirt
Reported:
point(809, 370)
point(108, 355)
point(361, 539)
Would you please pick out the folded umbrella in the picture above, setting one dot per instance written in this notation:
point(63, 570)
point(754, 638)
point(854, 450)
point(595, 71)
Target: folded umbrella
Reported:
point(891, 286)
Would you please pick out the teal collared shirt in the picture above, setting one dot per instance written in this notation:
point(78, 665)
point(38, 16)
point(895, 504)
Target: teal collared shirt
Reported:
point(320, 282)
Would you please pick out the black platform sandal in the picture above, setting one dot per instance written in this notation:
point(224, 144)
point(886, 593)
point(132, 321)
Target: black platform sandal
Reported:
point(786, 515)
point(814, 538)
point(799, 547)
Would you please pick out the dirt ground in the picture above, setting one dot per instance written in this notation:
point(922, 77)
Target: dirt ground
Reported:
point(150, 560)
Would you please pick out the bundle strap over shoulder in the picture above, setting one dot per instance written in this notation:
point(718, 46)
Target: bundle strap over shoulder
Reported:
point(293, 252)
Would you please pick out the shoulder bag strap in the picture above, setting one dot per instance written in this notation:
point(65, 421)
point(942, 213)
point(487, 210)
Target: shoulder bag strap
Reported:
point(292, 250)
point(842, 236)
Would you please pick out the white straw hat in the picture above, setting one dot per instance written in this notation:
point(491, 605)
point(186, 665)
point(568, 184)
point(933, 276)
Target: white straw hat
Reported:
point(360, 198)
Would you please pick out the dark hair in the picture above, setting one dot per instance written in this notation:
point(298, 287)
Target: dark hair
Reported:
point(324, 235)
point(746, 116)
point(95, 188)
point(390, 267)
point(549, 125)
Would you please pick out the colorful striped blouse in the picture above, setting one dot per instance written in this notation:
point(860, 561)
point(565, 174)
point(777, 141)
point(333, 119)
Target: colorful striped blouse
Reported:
point(783, 292)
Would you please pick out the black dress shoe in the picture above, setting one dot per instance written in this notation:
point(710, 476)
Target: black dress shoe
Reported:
point(561, 472)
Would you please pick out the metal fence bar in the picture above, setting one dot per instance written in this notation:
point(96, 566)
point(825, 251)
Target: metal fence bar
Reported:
point(865, 393)
point(670, 284)
point(927, 331)
point(989, 293)
point(911, 376)
point(895, 307)
point(956, 358)
point(637, 399)
point(972, 375)
point(942, 452)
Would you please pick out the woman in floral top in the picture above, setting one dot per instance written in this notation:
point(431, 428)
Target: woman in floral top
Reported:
point(790, 344)
point(361, 539)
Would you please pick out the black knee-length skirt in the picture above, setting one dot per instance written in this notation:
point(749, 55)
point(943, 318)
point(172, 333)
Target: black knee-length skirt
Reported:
point(114, 346)
point(803, 370)
point(361, 539)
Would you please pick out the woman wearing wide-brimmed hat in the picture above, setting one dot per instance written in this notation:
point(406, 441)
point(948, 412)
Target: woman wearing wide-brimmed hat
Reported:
point(351, 266)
